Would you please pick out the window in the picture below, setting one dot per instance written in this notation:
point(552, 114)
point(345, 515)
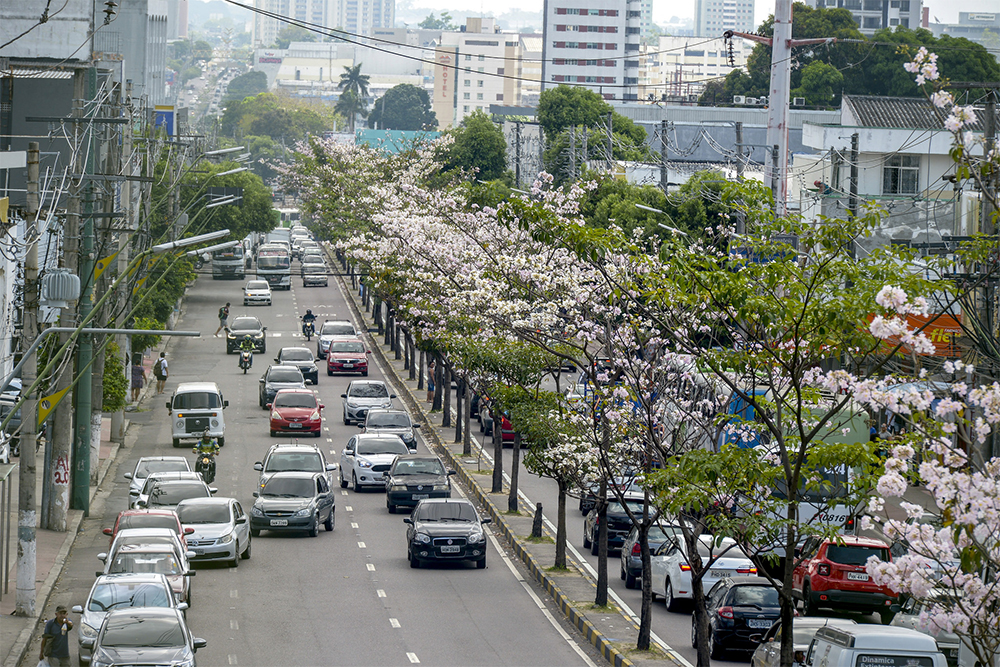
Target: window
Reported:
point(479, 96)
point(481, 70)
point(901, 175)
point(465, 109)
point(482, 58)
point(479, 83)
point(500, 70)
point(468, 82)
point(466, 96)
point(468, 57)
point(904, 6)
point(499, 97)
point(893, 21)
point(872, 22)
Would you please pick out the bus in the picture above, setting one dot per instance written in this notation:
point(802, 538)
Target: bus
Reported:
point(274, 264)
point(228, 264)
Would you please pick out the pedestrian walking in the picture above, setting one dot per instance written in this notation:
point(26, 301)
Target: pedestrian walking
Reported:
point(223, 319)
point(55, 640)
point(161, 372)
point(430, 381)
point(138, 377)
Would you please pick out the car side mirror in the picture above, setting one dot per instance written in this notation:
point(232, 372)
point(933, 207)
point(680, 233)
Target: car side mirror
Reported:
point(103, 556)
point(189, 531)
point(259, 467)
point(88, 642)
point(451, 472)
point(392, 396)
point(263, 328)
point(255, 494)
point(361, 425)
point(140, 504)
point(416, 425)
point(190, 573)
point(168, 406)
point(98, 574)
point(895, 608)
point(77, 609)
point(277, 361)
point(368, 351)
point(487, 520)
point(322, 405)
point(108, 531)
point(225, 404)
point(242, 519)
point(413, 450)
point(331, 467)
point(408, 520)
point(182, 606)
point(261, 380)
point(213, 490)
point(128, 475)
point(199, 643)
point(343, 395)
point(268, 405)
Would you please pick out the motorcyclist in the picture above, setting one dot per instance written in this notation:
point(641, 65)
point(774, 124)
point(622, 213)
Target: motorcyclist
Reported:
point(308, 318)
point(207, 446)
point(247, 345)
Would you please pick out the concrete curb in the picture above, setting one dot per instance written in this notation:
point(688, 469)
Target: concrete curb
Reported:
point(579, 620)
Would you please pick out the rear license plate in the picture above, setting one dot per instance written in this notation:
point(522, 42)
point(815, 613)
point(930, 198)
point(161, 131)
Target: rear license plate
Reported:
point(279, 522)
point(294, 425)
point(348, 365)
point(719, 574)
point(450, 550)
point(857, 576)
point(421, 496)
point(759, 623)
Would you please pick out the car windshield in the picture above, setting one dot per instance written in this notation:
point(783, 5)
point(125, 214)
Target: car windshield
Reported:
point(761, 596)
point(803, 635)
point(855, 555)
point(214, 513)
point(153, 480)
point(245, 324)
point(373, 447)
point(418, 467)
point(174, 493)
point(368, 390)
point(634, 506)
point(257, 284)
point(314, 268)
point(289, 487)
point(148, 521)
point(197, 400)
point(295, 400)
point(338, 329)
point(354, 348)
point(294, 463)
point(146, 468)
point(284, 375)
point(296, 354)
point(125, 631)
point(445, 512)
point(122, 594)
point(163, 562)
point(388, 420)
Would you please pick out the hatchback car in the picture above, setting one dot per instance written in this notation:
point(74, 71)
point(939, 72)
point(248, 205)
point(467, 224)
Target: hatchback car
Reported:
point(139, 500)
point(150, 464)
point(144, 636)
point(220, 529)
point(670, 574)
point(315, 275)
point(362, 396)
point(296, 411)
point(120, 591)
point(167, 494)
point(413, 478)
point(366, 458)
point(140, 518)
point(391, 422)
point(293, 501)
point(257, 292)
point(240, 328)
point(347, 356)
point(333, 330)
point(163, 559)
point(631, 552)
point(302, 358)
point(740, 610)
point(276, 378)
point(445, 529)
point(147, 536)
point(293, 458)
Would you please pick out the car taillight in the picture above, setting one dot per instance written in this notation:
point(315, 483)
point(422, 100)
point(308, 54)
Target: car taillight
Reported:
point(823, 569)
point(726, 612)
point(685, 567)
point(849, 524)
point(636, 550)
point(746, 570)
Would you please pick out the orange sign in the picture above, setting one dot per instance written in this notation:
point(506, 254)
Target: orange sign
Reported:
point(942, 330)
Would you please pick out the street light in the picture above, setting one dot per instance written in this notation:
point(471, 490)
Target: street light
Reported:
point(181, 243)
point(212, 248)
point(229, 199)
point(223, 151)
point(231, 171)
point(660, 224)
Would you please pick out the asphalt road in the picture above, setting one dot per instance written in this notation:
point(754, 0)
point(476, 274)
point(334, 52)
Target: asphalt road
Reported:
point(342, 598)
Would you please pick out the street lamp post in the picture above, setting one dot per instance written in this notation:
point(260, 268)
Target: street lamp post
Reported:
point(673, 230)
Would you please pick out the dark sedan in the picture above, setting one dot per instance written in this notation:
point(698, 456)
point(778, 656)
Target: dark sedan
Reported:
point(293, 501)
point(740, 610)
point(302, 358)
point(144, 635)
point(240, 328)
point(619, 525)
point(415, 478)
point(275, 379)
point(445, 529)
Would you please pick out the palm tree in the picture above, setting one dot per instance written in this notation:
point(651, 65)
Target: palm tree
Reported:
point(353, 80)
point(350, 106)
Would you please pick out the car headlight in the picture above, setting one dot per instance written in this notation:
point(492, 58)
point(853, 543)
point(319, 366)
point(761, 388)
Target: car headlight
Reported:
point(305, 511)
point(477, 537)
point(275, 415)
point(314, 416)
point(215, 423)
point(255, 511)
point(399, 487)
point(99, 663)
point(180, 423)
point(226, 539)
point(351, 404)
point(407, 437)
point(364, 463)
point(440, 487)
point(387, 404)
point(423, 538)
point(87, 631)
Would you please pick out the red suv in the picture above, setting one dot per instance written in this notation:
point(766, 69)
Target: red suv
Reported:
point(833, 575)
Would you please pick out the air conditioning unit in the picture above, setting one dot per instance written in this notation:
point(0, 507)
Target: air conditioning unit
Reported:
point(798, 101)
point(751, 100)
point(762, 100)
point(739, 99)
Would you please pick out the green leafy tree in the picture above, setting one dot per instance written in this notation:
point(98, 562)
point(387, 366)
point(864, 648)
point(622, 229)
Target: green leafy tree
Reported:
point(350, 106)
point(201, 50)
point(143, 342)
point(270, 115)
point(480, 145)
point(567, 106)
point(293, 33)
point(822, 84)
point(114, 384)
point(403, 107)
point(352, 80)
point(246, 85)
point(431, 22)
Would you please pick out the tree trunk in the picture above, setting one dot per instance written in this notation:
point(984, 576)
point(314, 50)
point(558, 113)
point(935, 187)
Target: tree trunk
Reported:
point(396, 340)
point(467, 421)
point(413, 354)
point(422, 371)
point(446, 396)
point(459, 412)
point(646, 612)
point(561, 527)
point(497, 460)
point(438, 379)
point(601, 537)
point(515, 464)
point(406, 352)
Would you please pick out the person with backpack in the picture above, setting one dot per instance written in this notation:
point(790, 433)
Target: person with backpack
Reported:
point(223, 319)
point(161, 372)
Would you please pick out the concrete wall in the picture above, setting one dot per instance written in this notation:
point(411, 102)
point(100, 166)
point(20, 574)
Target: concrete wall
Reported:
point(65, 35)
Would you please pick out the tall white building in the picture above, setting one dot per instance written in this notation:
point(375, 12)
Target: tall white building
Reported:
point(361, 17)
point(872, 15)
point(266, 28)
point(593, 43)
point(714, 17)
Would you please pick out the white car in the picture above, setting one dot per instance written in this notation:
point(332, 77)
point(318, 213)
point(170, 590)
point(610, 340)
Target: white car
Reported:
point(257, 292)
point(671, 573)
point(140, 496)
point(146, 466)
point(221, 529)
point(367, 457)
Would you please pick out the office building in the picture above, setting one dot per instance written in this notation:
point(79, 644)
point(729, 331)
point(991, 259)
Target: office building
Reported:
point(980, 27)
point(677, 68)
point(872, 15)
point(362, 17)
point(266, 28)
point(714, 17)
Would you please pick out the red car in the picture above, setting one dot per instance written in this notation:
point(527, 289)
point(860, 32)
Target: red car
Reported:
point(153, 518)
point(347, 355)
point(833, 575)
point(296, 411)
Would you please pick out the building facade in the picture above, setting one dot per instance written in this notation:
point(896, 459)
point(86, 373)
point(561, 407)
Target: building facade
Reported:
point(714, 17)
point(592, 43)
point(980, 27)
point(872, 15)
point(676, 69)
point(362, 17)
point(266, 28)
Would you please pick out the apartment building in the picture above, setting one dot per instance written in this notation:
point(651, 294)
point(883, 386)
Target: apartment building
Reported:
point(529, 72)
point(678, 68)
point(714, 17)
point(592, 43)
point(872, 15)
point(362, 17)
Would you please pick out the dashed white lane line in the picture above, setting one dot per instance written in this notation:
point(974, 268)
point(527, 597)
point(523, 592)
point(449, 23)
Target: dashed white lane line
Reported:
point(361, 545)
point(234, 625)
point(232, 659)
point(348, 508)
point(276, 334)
point(343, 492)
point(234, 593)
point(354, 526)
point(370, 566)
point(394, 623)
point(413, 658)
point(380, 593)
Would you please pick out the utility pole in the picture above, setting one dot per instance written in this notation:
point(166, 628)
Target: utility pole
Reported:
point(663, 155)
point(517, 153)
point(572, 153)
point(611, 159)
point(852, 202)
point(739, 151)
point(123, 341)
point(26, 505)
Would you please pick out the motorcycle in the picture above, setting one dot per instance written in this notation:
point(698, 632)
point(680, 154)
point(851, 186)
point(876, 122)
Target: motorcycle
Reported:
point(308, 329)
point(246, 360)
point(205, 466)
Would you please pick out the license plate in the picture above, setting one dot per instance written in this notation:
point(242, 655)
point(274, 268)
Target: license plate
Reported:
point(421, 496)
point(279, 522)
point(719, 574)
point(348, 365)
point(759, 623)
point(450, 550)
point(294, 425)
point(857, 576)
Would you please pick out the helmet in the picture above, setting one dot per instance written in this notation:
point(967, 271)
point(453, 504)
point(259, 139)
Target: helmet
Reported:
point(309, 311)
point(248, 337)
point(206, 434)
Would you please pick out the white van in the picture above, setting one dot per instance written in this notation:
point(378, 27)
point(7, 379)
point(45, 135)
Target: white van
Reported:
point(194, 407)
point(873, 646)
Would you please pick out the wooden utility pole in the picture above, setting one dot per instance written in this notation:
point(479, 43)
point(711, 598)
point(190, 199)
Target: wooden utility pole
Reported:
point(663, 155)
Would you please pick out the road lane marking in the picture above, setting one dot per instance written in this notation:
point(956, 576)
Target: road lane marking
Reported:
point(232, 659)
point(234, 624)
point(394, 623)
point(348, 508)
point(413, 658)
point(361, 545)
point(370, 566)
point(381, 593)
point(354, 525)
point(234, 593)
point(343, 492)
point(276, 335)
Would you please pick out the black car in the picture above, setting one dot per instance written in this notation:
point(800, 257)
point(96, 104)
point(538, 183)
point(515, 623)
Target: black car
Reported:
point(301, 358)
point(278, 377)
point(240, 328)
point(445, 529)
point(631, 556)
point(619, 525)
point(413, 478)
point(144, 635)
point(740, 611)
point(293, 501)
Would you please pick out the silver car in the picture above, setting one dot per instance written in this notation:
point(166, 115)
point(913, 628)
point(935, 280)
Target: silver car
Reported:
point(221, 529)
point(330, 331)
point(391, 422)
point(140, 497)
point(909, 616)
point(365, 395)
point(118, 591)
point(148, 465)
point(367, 457)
